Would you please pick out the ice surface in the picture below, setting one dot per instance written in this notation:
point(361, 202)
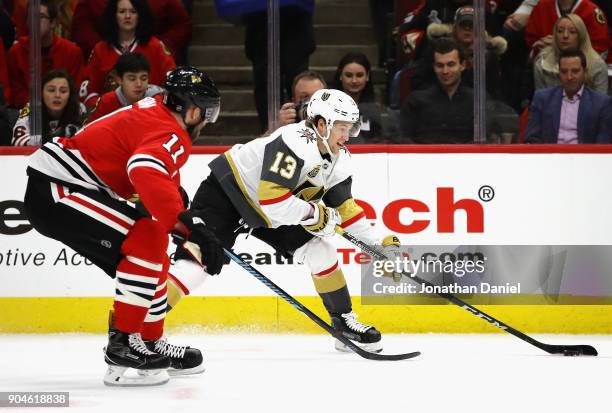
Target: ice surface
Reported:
point(302, 373)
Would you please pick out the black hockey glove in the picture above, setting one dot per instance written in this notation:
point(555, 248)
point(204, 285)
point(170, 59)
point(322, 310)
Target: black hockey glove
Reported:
point(192, 234)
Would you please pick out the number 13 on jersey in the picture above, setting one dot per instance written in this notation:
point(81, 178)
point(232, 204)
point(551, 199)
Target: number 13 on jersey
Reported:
point(287, 170)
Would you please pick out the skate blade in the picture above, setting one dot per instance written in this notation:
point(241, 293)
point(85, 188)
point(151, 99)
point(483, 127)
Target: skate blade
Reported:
point(181, 372)
point(371, 347)
point(116, 376)
point(186, 372)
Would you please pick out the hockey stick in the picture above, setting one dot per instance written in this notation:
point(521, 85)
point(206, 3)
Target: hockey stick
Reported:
point(566, 350)
point(300, 307)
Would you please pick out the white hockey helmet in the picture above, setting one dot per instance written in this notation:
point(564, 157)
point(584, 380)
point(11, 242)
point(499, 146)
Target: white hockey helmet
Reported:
point(334, 105)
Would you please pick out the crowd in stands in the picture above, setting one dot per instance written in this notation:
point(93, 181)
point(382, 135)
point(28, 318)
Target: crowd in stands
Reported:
point(548, 66)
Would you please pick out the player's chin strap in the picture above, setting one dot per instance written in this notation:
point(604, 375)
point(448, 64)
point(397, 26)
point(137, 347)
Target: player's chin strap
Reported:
point(324, 140)
point(190, 128)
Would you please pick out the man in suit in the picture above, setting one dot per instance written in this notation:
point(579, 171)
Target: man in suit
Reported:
point(572, 112)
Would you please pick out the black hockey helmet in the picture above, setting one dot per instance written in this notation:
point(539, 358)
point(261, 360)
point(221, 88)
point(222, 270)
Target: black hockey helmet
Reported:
point(187, 86)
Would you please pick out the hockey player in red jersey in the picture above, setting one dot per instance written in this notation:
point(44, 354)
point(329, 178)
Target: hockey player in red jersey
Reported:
point(77, 191)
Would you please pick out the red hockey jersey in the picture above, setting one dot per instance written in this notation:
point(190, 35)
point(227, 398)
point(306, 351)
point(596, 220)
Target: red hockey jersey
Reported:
point(111, 101)
point(171, 24)
point(63, 54)
point(100, 75)
point(547, 12)
point(136, 150)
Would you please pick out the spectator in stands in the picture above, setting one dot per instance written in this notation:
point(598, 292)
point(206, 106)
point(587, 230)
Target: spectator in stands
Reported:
point(304, 85)
point(518, 19)
point(128, 24)
point(133, 77)
point(413, 31)
point(297, 43)
point(570, 33)
point(62, 113)
point(65, 9)
point(57, 53)
point(572, 112)
point(353, 78)
point(539, 30)
point(443, 113)
point(462, 31)
point(171, 25)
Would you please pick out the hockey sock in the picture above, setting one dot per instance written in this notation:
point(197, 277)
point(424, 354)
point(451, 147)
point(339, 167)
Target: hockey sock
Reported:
point(136, 285)
point(142, 269)
point(153, 326)
point(331, 286)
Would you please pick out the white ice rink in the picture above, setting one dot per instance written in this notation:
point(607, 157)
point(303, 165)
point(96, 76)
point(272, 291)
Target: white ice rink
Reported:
point(302, 373)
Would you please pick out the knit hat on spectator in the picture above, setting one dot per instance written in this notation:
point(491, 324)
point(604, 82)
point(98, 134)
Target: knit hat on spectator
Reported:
point(463, 14)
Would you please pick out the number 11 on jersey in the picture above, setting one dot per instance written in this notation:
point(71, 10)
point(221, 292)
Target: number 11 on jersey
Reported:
point(168, 146)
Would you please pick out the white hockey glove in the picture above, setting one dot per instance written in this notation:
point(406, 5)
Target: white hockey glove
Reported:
point(323, 222)
point(390, 247)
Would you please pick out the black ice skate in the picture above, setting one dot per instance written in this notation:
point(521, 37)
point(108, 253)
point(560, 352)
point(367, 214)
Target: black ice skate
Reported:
point(125, 351)
point(365, 336)
point(184, 360)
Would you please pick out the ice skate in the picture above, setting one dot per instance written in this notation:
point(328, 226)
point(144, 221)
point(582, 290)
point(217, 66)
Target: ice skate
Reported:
point(125, 351)
point(184, 360)
point(365, 336)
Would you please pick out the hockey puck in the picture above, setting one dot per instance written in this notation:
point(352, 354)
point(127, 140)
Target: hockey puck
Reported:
point(571, 353)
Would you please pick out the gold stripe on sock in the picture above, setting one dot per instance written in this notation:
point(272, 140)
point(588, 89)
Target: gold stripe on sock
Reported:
point(329, 282)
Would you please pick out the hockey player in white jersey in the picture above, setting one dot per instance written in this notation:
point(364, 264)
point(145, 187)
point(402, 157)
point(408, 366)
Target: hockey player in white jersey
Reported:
point(273, 187)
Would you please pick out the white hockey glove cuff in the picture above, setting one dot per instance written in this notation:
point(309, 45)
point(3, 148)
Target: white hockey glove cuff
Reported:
point(323, 222)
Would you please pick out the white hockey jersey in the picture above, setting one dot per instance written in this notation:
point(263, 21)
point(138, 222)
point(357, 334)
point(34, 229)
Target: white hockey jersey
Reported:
point(270, 180)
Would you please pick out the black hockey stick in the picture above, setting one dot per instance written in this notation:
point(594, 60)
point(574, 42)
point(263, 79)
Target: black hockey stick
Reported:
point(566, 350)
point(300, 307)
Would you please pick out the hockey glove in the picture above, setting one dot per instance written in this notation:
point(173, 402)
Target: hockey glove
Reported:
point(390, 248)
point(323, 222)
point(201, 243)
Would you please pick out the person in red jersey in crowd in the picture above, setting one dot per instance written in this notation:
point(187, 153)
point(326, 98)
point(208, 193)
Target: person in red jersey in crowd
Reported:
point(57, 53)
point(538, 32)
point(133, 78)
point(77, 191)
point(65, 9)
point(128, 24)
point(171, 24)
